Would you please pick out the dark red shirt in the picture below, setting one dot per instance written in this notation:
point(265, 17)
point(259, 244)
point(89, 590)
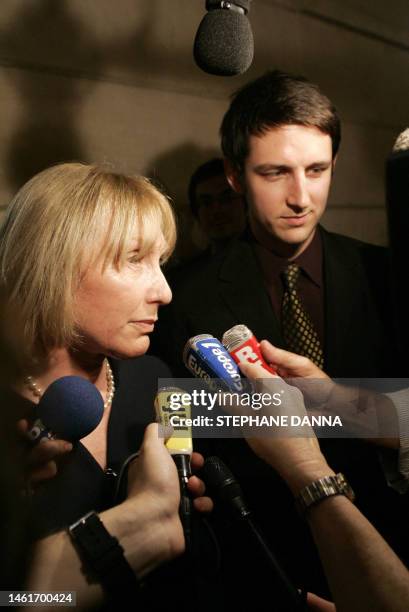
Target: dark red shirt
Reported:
point(310, 284)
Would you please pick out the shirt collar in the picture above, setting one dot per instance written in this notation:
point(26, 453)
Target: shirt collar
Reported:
point(310, 261)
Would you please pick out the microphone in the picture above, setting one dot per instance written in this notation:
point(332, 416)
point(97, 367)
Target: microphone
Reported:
point(70, 408)
point(397, 206)
point(206, 357)
point(243, 346)
point(219, 477)
point(224, 43)
point(225, 486)
point(179, 445)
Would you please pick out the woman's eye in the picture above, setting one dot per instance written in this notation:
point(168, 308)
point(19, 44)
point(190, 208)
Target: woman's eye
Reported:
point(134, 258)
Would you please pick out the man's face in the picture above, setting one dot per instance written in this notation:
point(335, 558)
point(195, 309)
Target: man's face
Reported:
point(221, 211)
point(286, 180)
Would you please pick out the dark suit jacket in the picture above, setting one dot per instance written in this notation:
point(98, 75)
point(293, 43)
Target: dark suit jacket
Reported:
point(213, 294)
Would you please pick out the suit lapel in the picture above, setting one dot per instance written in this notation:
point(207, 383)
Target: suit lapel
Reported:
point(242, 289)
point(342, 293)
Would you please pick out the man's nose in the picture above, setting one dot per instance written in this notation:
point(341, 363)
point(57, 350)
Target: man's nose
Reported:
point(297, 195)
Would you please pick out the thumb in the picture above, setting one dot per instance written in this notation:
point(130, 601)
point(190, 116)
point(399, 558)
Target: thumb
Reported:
point(278, 356)
point(151, 436)
point(253, 370)
point(22, 426)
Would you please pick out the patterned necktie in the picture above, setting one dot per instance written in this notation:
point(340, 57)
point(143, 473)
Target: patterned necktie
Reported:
point(298, 330)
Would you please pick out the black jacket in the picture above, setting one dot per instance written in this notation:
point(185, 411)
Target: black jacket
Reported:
point(212, 294)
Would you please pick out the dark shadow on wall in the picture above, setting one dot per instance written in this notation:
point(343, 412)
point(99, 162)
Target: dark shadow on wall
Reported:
point(171, 171)
point(47, 133)
point(44, 47)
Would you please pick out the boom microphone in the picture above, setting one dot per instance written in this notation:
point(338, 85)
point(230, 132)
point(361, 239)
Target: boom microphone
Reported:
point(220, 479)
point(224, 43)
point(70, 408)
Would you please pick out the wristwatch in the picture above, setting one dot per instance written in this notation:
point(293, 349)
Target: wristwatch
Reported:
point(102, 556)
point(321, 489)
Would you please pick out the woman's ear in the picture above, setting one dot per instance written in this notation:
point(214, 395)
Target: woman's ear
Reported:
point(233, 177)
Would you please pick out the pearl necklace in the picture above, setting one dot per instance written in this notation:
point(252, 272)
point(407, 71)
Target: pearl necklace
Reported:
point(36, 390)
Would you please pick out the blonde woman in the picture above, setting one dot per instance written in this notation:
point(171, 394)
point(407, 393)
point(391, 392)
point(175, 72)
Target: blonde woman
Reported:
point(81, 250)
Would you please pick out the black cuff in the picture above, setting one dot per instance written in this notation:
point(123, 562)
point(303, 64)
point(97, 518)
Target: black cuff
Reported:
point(102, 556)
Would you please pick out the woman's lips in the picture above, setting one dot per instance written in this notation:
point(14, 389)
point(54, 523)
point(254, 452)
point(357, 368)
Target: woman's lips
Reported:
point(146, 325)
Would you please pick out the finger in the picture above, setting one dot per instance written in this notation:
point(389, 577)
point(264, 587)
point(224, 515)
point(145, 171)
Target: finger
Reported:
point(196, 461)
point(317, 604)
point(151, 436)
point(280, 357)
point(254, 370)
point(22, 426)
point(196, 486)
point(290, 364)
point(45, 472)
point(48, 450)
point(203, 504)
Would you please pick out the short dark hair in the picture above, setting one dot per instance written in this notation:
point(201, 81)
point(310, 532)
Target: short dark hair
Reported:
point(273, 100)
point(211, 168)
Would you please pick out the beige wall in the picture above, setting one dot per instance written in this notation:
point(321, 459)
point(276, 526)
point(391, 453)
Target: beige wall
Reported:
point(98, 80)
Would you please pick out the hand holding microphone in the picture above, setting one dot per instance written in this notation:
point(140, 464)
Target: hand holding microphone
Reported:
point(41, 460)
point(153, 479)
point(70, 408)
point(180, 446)
point(297, 457)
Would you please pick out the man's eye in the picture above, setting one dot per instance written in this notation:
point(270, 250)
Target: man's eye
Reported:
point(316, 170)
point(272, 174)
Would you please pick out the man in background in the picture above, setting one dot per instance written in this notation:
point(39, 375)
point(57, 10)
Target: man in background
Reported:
point(218, 209)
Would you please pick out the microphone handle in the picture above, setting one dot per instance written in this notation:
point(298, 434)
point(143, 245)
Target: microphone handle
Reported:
point(295, 599)
point(185, 509)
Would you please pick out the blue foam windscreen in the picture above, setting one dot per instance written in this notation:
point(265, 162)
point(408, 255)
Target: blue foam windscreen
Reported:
point(71, 407)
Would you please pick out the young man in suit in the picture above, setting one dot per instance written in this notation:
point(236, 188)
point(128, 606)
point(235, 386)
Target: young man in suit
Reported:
point(280, 138)
point(290, 281)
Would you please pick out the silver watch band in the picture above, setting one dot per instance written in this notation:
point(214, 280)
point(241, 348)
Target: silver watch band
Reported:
point(321, 489)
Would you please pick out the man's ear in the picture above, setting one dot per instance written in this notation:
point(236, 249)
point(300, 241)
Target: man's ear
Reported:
point(233, 177)
point(334, 161)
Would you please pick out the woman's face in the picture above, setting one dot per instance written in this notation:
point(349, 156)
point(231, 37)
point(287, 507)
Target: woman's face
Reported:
point(116, 308)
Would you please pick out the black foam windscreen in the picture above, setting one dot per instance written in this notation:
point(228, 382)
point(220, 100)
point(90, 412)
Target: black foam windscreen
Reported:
point(71, 407)
point(224, 43)
point(219, 477)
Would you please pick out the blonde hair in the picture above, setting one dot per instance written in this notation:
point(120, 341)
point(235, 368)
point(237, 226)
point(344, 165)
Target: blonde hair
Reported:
point(52, 230)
